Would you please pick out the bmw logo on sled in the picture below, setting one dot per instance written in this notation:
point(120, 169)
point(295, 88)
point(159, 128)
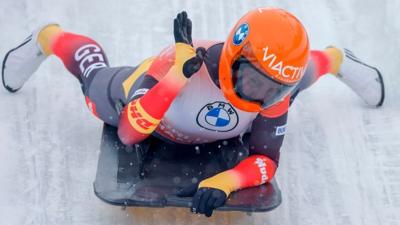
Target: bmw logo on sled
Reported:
point(218, 116)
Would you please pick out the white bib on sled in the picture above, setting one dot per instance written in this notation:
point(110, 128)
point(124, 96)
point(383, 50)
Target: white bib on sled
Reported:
point(201, 114)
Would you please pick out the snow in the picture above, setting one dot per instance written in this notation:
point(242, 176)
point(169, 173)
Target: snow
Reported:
point(340, 161)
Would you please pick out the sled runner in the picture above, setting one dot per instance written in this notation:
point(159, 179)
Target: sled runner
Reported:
point(149, 175)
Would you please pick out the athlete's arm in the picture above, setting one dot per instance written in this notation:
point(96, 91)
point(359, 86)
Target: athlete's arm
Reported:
point(140, 117)
point(264, 150)
point(266, 138)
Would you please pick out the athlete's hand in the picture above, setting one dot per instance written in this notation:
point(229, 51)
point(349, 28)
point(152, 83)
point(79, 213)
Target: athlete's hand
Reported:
point(205, 199)
point(183, 29)
point(187, 59)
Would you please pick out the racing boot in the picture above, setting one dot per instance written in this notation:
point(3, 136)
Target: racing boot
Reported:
point(22, 61)
point(362, 78)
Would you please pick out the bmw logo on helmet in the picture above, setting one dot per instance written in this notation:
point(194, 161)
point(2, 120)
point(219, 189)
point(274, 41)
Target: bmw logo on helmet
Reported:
point(241, 34)
point(218, 116)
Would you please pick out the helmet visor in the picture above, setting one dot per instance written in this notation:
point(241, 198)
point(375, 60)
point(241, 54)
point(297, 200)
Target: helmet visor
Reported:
point(253, 85)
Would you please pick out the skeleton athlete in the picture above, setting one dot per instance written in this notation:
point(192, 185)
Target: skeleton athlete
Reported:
point(197, 92)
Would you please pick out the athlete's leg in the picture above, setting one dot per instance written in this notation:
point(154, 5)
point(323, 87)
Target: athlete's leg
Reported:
point(86, 60)
point(319, 64)
point(363, 79)
point(81, 55)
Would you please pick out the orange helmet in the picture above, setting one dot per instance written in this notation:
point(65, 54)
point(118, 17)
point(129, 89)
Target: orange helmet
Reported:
point(263, 59)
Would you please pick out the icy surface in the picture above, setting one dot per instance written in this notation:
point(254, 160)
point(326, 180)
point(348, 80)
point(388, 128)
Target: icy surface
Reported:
point(340, 161)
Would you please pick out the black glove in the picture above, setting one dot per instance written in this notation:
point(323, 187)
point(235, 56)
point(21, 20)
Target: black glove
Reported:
point(205, 199)
point(183, 34)
point(183, 29)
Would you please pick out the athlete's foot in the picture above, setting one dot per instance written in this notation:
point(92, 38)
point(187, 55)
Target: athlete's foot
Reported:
point(362, 78)
point(22, 61)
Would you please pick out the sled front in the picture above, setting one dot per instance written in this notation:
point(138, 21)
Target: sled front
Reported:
point(118, 183)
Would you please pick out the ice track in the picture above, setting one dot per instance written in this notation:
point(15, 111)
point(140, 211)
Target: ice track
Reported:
point(340, 161)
